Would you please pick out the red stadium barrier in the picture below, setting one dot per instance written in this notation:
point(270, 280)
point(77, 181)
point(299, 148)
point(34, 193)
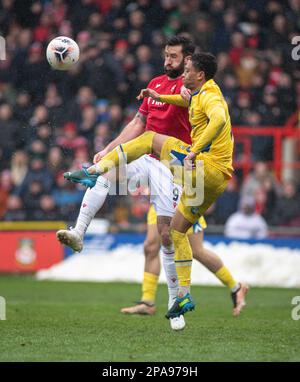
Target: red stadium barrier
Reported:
point(244, 135)
point(29, 246)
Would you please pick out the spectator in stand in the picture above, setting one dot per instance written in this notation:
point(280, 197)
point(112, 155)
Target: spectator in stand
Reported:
point(227, 203)
point(266, 199)
point(46, 210)
point(225, 29)
point(37, 172)
point(87, 126)
point(9, 131)
point(254, 183)
point(139, 208)
point(19, 167)
point(202, 31)
point(15, 209)
point(5, 188)
point(287, 207)
point(66, 197)
point(54, 104)
point(81, 158)
point(246, 223)
point(23, 108)
point(241, 108)
point(39, 117)
point(285, 95)
point(32, 196)
point(71, 141)
point(55, 161)
point(34, 73)
point(120, 217)
point(247, 68)
point(83, 98)
point(102, 137)
point(44, 135)
point(270, 108)
point(115, 118)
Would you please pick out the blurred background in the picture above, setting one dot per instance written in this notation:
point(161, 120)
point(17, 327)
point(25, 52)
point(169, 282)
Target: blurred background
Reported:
point(52, 121)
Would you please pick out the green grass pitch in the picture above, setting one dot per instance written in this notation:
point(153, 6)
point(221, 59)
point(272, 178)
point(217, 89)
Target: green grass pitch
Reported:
point(68, 321)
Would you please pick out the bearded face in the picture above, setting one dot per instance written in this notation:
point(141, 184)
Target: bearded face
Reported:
point(174, 61)
point(174, 71)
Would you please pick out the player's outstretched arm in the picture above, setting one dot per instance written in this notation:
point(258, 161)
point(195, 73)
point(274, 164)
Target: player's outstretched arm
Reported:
point(132, 130)
point(148, 93)
point(174, 99)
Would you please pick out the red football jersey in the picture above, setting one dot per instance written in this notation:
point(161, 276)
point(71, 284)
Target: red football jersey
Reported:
point(164, 118)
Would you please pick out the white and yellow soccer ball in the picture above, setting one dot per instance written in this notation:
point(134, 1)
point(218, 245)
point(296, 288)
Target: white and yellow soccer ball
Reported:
point(62, 53)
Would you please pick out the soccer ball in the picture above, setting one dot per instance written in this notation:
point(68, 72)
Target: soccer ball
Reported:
point(62, 52)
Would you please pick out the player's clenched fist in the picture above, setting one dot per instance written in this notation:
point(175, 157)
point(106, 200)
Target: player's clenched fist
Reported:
point(185, 93)
point(148, 93)
point(189, 161)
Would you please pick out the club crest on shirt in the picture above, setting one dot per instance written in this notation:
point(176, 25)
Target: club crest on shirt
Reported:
point(194, 210)
point(173, 88)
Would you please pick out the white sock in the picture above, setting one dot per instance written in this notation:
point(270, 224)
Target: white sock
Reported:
point(236, 288)
point(171, 274)
point(92, 201)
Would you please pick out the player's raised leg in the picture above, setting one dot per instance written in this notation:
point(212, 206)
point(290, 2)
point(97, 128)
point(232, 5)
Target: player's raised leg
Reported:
point(93, 200)
point(147, 143)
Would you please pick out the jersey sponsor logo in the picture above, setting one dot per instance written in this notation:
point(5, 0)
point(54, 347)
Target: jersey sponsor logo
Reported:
point(152, 102)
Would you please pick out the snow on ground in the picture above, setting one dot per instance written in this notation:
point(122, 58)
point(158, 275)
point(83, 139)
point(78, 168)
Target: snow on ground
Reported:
point(256, 264)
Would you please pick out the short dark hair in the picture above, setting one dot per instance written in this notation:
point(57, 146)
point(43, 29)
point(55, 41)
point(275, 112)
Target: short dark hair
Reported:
point(206, 62)
point(188, 48)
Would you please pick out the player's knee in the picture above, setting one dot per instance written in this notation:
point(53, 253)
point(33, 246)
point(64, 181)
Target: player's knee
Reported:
point(166, 239)
point(163, 225)
point(151, 248)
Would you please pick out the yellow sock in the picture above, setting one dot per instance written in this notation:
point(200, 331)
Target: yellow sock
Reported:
point(127, 152)
point(224, 275)
point(183, 258)
point(149, 287)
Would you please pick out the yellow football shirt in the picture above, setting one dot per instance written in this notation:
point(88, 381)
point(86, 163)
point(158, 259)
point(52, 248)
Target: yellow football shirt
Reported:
point(211, 126)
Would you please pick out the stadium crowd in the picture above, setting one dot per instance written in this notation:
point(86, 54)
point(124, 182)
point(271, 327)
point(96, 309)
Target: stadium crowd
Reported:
point(52, 121)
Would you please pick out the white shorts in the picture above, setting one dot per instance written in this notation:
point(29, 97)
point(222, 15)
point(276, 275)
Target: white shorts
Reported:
point(151, 173)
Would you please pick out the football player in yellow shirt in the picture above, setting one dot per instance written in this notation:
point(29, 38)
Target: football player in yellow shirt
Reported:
point(207, 162)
